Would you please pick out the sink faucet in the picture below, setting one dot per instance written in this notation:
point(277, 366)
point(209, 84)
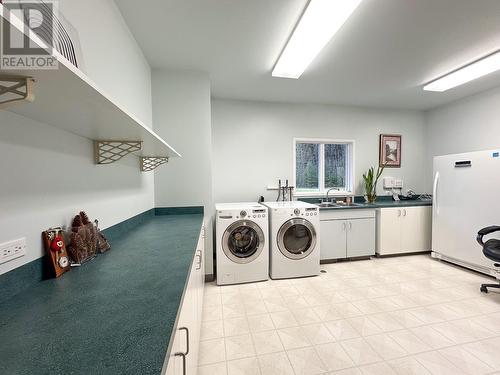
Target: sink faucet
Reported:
point(329, 190)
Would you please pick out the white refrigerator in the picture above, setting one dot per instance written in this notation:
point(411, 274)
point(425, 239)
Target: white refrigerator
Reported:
point(466, 198)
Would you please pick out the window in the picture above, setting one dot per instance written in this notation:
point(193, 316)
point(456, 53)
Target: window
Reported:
point(321, 164)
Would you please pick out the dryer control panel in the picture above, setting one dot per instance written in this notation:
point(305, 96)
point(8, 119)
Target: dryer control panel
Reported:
point(308, 211)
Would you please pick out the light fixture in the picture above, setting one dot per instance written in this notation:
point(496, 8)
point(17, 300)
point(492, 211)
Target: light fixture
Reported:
point(319, 23)
point(477, 69)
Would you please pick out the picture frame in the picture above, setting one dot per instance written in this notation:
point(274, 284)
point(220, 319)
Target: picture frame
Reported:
point(390, 150)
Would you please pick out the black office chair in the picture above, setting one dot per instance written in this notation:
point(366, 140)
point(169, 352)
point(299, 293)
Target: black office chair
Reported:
point(491, 250)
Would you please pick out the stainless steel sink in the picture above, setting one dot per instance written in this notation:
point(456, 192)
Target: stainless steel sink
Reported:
point(328, 204)
point(338, 205)
point(349, 204)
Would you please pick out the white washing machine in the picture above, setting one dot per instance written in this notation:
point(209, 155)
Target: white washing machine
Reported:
point(294, 239)
point(242, 248)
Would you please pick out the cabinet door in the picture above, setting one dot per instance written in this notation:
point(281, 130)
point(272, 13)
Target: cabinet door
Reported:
point(360, 237)
point(333, 239)
point(389, 231)
point(416, 229)
point(174, 365)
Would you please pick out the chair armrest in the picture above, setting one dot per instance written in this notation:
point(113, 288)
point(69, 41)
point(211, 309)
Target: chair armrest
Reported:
point(488, 230)
point(483, 232)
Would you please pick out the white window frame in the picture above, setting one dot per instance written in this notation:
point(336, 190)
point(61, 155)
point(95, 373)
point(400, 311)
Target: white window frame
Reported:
point(321, 174)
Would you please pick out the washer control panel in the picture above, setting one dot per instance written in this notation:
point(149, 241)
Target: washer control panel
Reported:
point(309, 211)
point(242, 214)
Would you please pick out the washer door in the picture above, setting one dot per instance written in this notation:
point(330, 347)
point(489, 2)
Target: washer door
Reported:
point(243, 241)
point(296, 238)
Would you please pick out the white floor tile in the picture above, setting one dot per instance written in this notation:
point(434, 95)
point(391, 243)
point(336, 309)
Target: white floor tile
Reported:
point(342, 329)
point(233, 311)
point(465, 361)
point(212, 330)
point(275, 364)
point(211, 351)
point(334, 356)
point(317, 334)
point(381, 368)
point(267, 342)
point(259, 323)
point(487, 351)
point(327, 312)
point(305, 316)
point(275, 305)
point(305, 361)
point(432, 337)
point(437, 364)
point(386, 347)
point(364, 326)
point(408, 366)
point(212, 313)
point(255, 308)
point(239, 347)
point(245, 366)
point(360, 351)
point(236, 326)
point(213, 369)
point(283, 319)
point(410, 342)
point(293, 338)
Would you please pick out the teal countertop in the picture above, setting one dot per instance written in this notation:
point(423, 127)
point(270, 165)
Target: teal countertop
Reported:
point(381, 203)
point(114, 315)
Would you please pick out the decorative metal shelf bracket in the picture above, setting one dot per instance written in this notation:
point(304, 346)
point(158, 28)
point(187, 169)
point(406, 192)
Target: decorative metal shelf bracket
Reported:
point(107, 152)
point(149, 163)
point(15, 89)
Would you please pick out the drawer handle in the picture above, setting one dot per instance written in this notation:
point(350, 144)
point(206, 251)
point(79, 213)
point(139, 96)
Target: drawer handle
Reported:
point(183, 355)
point(200, 259)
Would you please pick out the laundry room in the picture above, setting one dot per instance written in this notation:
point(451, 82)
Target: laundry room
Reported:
point(212, 187)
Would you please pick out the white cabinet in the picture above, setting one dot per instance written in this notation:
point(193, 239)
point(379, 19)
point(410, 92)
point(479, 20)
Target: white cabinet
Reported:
point(183, 358)
point(404, 230)
point(347, 233)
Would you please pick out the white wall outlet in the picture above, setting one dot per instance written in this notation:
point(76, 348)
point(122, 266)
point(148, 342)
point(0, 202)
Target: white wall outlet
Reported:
point(12, 250)
point(388, 182)
point(398, 183)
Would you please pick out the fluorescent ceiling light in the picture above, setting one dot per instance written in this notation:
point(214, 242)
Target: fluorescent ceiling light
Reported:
point(319, 23)
point(480, 68)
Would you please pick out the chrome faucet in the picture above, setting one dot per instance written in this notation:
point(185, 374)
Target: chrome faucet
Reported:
point(329, 190)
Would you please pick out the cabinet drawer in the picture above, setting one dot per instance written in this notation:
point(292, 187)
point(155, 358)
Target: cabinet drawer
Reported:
point(346, 213)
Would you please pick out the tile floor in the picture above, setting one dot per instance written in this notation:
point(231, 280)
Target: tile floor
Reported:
point(403, 315)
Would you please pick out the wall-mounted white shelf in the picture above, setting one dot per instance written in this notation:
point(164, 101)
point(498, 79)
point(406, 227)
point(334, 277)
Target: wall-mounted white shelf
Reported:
point(67, 99)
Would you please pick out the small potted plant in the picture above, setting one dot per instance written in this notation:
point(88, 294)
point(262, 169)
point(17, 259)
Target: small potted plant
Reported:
point(371, 178)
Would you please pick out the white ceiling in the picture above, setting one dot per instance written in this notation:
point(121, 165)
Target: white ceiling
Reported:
point(380, 58)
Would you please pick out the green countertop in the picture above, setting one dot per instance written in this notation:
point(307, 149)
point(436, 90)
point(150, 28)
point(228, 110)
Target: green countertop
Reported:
point(113, 315)
point(382, 202)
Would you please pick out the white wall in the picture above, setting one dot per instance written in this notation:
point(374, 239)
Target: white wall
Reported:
point(470, 124)
point(253, 143)
point(112, 57)
point(181, 114)
point(48, 175)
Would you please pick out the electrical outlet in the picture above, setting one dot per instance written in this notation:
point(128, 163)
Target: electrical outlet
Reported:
point(12, 250)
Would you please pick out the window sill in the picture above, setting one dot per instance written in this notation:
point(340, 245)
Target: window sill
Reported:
point(322, 194)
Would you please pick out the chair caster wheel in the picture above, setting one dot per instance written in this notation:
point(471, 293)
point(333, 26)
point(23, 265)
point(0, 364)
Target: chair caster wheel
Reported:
point(484, 289)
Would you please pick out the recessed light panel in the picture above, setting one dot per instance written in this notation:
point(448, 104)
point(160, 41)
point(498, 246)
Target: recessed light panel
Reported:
point(319, 23)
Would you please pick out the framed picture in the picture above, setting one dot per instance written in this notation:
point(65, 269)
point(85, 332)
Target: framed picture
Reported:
point(390, 150)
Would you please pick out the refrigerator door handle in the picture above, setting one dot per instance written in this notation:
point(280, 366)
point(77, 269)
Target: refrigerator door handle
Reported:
point(435, 202)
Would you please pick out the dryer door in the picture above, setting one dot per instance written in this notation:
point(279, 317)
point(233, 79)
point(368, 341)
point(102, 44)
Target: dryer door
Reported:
point(243, 241)
point(296, 238)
